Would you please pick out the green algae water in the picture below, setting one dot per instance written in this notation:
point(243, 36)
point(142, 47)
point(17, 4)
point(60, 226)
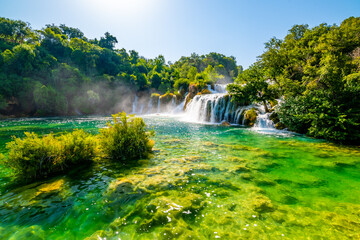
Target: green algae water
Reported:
point(202, 182)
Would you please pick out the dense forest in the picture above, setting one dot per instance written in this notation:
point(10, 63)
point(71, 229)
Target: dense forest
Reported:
point(58, 71)
point(310, 80)
point(315, 75)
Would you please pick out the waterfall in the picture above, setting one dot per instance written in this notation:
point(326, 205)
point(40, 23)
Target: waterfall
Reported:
point(263, 121)
point(141, 108)
point(150, 105)
point(158, 106)
point(134, 104)
point(212, 108)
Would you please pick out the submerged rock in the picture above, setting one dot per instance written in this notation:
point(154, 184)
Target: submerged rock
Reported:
point(34, 232)
point(225, 123)
point(262, 204)
point(50, 187)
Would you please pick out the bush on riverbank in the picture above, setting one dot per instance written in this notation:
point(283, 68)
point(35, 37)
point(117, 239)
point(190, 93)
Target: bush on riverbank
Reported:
point(126, 138)
point(35, 157)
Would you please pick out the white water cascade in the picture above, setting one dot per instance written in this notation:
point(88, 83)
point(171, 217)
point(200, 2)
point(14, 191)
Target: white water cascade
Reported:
point(263, 119)
point(214, 108)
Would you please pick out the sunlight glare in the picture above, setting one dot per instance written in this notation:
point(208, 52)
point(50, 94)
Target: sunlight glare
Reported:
point(124, 8)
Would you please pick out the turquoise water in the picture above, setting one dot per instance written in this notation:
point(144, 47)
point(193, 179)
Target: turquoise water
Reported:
point(202, 182)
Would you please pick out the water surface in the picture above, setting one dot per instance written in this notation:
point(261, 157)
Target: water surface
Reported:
point(202, 182)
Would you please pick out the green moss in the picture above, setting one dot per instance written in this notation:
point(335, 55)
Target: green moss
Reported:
point(155, 95)
point(166, 98)
point(280, 126)
point(204, 91)
point(250, 117)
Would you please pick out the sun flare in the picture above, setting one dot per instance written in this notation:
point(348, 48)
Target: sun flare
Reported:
point(125, 8)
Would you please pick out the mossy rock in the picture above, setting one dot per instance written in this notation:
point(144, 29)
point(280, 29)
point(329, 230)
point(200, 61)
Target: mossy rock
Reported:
point(155, 95)
point(193, 90)
point(246, 176)
point(250, 117)
point(179, 97)
point(274, 117)
point(50, 188)
point(225, 123)
point(204, 91)
point(154, 98)
point(172, 141)
point(166, 98)
point(262, 204)
point(280, 126)
point(121, 190)
point(170, 209)
point(236, 159)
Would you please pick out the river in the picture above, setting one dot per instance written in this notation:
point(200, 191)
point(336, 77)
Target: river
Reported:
point(203, 181)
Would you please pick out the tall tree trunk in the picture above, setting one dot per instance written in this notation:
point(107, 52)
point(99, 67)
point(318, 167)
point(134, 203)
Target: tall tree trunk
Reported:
point(265, 106)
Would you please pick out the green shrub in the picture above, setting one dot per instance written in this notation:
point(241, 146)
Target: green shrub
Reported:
point(35, 157)
point(126, 138)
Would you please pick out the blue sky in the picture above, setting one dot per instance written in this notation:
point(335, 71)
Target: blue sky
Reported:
point(176, 28)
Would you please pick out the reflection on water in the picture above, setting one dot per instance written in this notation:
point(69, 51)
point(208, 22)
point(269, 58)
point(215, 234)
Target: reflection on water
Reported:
point(202, 182)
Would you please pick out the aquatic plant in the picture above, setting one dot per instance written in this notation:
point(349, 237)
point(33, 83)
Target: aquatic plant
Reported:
point(35, 157)
point(127, 138)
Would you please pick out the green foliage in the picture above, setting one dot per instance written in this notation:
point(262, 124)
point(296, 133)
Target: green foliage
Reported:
point(87, 103)
point(317, 73)
point(3, 103)
point(252, 86)
point(108, 41)
point(67, 63)
point(126, 138)
point(35, 157)
point(49, 102)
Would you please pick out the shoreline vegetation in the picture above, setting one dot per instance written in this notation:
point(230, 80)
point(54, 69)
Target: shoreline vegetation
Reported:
point(310, 78)
point(37, 157)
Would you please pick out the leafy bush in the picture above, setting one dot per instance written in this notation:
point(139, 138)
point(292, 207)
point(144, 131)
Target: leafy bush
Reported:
point(319, 116)
point(35, 157)
point(126, 138)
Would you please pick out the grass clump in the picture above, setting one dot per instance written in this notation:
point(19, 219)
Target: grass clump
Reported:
point(35, 157)
point(126, 138)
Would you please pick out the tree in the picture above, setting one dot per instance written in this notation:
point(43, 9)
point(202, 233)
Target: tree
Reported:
point(252, 86)
point(71, 32)
point(108, 41)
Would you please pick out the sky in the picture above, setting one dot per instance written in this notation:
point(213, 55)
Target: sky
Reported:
point(175, 28)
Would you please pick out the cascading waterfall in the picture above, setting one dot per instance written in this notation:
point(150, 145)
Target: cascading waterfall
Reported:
point(158, 106)
point(214, 108)
point(206, 108)
point(134, 104)
point(149, 107)
point(263, 119)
